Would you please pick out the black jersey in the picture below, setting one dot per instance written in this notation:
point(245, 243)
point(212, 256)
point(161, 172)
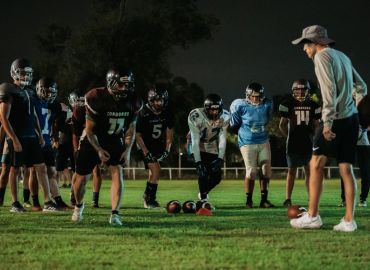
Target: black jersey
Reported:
point(111, 117)
point(301, 117)
point(153, 126)
point(21, 117)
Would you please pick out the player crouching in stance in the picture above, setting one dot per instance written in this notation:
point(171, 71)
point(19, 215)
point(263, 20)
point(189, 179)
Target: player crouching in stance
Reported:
point(111, 113)
point(250, 116)
point(208, 131)
point(154, 135)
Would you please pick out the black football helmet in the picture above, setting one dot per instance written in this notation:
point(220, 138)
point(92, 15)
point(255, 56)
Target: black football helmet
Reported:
point(255, 93)
point(21, 71)
point(213, 106)
point(47, 89)
point(120, 83)
point(157, 94)
point(300, 89)
point(76, 100)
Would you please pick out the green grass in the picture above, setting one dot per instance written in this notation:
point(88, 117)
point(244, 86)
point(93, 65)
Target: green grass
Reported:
point(233, 238)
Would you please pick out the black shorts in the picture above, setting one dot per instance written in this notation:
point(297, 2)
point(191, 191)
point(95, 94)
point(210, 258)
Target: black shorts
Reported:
point(87, 157)
point(30, 155)
point(49, 156)
point(343, 147)
point(63, 155)
point(297, 160)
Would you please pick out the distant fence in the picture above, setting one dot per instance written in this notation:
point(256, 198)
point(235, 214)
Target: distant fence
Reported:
point(173, 173)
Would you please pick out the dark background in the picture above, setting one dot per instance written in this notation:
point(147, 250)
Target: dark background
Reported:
point(252, 43)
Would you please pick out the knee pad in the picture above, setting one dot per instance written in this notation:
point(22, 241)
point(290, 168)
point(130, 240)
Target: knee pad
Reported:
point(251, 172)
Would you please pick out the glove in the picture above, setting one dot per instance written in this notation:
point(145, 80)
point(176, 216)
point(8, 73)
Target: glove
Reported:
point(201, 169)
point(164, 155)
point(216, 165)
point(148, 158)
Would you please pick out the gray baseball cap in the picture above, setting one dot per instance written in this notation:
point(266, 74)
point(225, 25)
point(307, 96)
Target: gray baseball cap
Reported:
point(315, 34)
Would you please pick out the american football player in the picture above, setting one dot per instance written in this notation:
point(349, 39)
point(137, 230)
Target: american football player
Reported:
point(48, 110)
point(77, 101)
point(299, 116)
point(20, 122)
point(208, 131)
point(154, 136)
point(250, 116)
point(111, 113)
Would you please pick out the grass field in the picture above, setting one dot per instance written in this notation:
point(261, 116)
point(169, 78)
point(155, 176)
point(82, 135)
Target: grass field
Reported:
point(233, 238)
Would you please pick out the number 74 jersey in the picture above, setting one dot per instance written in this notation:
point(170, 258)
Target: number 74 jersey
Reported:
point(211, 134)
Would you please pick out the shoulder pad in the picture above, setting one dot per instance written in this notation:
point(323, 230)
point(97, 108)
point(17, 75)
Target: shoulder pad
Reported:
point(91, 100)
point(6, 91)
point(236, 104)
point(137, 103)
point(225, 115)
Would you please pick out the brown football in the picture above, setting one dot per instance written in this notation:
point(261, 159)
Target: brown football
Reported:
point(294, 211)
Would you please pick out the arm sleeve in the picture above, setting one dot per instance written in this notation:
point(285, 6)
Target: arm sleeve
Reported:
point(325, 76)
point(195, 138)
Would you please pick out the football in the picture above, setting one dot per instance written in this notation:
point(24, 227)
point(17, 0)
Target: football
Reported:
point(173, 207)
point(295, 211)
point(189, 207)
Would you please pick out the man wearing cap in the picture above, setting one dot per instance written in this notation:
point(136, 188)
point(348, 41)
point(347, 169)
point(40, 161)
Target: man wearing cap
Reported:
point(337, 134)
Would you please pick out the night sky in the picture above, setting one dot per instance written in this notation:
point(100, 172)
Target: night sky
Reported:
point(252, 43)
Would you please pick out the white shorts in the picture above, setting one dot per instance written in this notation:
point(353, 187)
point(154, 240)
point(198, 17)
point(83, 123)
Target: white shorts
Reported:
point(257, 156)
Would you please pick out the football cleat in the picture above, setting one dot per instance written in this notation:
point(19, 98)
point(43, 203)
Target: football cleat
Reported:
point(77, 213)
point(115, 220)
point(17, 208)
point(27, 204)
point(249, 204)
point(266, 204)
point(287, 203)
point(50, 207)
point(362, 203)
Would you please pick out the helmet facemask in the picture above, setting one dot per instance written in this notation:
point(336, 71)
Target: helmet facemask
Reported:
point(47, 90)
point(23, 76)
point(300, 89)
point(157, 99)
point(76, 101)
point(213, 106)
point(120, 86)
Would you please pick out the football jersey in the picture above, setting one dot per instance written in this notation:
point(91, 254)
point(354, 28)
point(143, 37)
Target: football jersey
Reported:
point(63, 126)
point(78, 120)
point(211, 134)
point(46, 113)
point(21, 115)
point(252, 121)
point(301, 117)
point(153, 127)
point(111, 117)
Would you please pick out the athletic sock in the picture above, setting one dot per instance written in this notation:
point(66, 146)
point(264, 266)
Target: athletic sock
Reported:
point(249, 196)
point(35, 200)
point(2, 193)
point(264, 194)
point(26, 195)
point(95, 197)
point(151, 190)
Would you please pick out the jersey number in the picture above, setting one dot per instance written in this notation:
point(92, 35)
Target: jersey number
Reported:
point(116, 125)
point(46, 113)
point(302, 116)
point(211, 137)
point(157, 131)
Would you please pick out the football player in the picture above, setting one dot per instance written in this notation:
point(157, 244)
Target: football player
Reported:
point(299, 116)
point(77, 102)
point(154, 136)
point(48, 110)
point(20, 122)
point(208, 131)
point(111, 113)
point(5, 165)
point(250, 116)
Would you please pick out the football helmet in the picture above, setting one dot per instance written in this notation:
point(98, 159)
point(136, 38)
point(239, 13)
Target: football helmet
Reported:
point(120, 83)
point(255, 93)
point(300, 89)
point(75, 99)
point(47, 89)
point(213, 106)
point(157, 99)
point(21, 71)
